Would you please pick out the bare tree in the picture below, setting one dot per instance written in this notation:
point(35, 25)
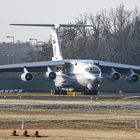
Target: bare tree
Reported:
point(114, 36)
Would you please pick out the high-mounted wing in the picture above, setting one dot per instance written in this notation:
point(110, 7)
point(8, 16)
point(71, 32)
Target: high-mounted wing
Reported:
point(114, 71)
point(122, 68)
point(31, 67)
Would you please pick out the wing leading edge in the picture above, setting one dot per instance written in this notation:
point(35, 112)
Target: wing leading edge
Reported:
point(32, 66)
point(122, 68)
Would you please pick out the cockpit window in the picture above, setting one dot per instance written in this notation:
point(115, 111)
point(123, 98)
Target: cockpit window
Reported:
point(92, 70)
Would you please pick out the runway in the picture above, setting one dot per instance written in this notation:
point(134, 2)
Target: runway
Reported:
point(47, 96)
point(102, 102)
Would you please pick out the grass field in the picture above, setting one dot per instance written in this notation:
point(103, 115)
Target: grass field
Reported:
point(72, 123)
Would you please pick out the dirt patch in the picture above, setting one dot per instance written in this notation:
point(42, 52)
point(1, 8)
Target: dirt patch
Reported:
point(62, 120)
point(72, 134)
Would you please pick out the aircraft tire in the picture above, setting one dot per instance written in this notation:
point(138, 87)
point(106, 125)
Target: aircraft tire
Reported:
point(60, 92)
point(91, 92)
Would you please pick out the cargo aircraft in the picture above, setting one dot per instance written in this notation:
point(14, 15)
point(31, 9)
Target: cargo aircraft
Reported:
point(73, 74)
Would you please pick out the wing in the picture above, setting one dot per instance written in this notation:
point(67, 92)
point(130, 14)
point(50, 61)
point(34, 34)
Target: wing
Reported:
point(31, 67)
point(121, 68)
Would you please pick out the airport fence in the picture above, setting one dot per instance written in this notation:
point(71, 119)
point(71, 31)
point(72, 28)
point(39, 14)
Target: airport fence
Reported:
point(72, 124)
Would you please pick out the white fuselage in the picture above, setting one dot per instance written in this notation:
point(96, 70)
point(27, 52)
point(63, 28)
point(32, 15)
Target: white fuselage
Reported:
point(78, 75)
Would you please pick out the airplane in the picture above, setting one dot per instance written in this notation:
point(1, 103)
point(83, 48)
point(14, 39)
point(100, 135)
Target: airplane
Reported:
point(72, 74)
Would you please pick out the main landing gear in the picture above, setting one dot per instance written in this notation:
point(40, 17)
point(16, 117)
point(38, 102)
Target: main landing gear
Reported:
point(91, 92)
point(60, 92)
point(86, 92)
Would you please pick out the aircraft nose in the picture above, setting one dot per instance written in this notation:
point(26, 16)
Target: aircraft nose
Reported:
point(93, 83)
point(96, 79)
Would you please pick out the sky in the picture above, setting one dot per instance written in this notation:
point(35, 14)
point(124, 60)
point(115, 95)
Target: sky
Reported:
point(48, 11)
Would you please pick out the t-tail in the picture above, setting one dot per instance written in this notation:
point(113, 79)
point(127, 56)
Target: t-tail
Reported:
point(57, 51)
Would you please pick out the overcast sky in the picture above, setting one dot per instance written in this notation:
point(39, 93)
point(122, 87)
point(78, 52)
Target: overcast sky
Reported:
point(48, 11)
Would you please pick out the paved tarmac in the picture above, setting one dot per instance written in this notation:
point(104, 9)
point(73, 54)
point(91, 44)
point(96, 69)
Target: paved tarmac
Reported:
point(73, 103)
point(46, 96)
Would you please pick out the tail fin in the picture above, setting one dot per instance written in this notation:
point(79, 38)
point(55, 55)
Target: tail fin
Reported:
point(57, 52)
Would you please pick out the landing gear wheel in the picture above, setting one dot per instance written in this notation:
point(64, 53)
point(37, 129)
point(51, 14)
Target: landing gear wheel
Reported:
point(95, 92)
point(57, 91)
point(60, 92)
point(91, 92)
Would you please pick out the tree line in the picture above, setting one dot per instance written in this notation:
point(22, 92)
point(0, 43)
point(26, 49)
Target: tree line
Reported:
point(114, 36)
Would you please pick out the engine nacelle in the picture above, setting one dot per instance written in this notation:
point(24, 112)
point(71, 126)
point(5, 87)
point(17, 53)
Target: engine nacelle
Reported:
point(132, 76)
point(114, 76)
point(51, 75)
point(26, 76)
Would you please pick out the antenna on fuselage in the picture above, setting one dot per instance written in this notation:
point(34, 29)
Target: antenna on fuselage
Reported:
point(57, 51)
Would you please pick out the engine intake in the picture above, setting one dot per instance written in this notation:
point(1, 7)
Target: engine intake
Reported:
point(51, 75)
point(116, 76)
point(26, 76)
point(132, 76)
point(113, 75)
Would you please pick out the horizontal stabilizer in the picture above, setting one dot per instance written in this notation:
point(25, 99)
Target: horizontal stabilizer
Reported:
point(54, 25)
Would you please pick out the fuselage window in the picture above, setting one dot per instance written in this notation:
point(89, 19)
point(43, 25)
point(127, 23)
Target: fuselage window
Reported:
point(92, 70)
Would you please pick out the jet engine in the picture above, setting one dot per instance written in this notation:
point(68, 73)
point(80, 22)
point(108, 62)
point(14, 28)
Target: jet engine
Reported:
point(114, 75)
point(51, 75)
point(26, 76)
point(132, 76)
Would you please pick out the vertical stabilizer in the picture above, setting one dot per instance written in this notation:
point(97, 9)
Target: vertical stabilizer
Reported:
point(57, 52)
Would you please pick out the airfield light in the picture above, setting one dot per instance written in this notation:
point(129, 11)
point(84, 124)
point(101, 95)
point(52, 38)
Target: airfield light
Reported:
point(25, 133)
point(36, 133)
point(41, 42)
point(12, 38)
point(33, 39)
point(14, 133)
